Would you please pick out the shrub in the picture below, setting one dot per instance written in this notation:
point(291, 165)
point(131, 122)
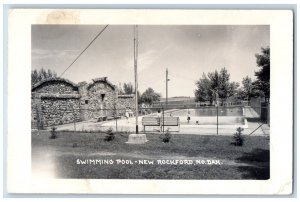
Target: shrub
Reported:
point(109, 135)
point(53, 133)
point(238, 138)
point(167, 137)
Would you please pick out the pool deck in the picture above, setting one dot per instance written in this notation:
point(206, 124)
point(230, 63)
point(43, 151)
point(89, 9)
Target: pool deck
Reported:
point(129, 125)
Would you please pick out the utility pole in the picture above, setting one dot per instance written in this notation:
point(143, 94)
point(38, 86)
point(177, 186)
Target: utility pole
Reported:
point(136, 138)
point(136, 78)
point(217, 98)
point(217, 101)
point(167, 79)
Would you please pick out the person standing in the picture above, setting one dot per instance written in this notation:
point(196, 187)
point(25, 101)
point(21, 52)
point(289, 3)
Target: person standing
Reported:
point(158, 114)
point(159, 118)
point(188, 119)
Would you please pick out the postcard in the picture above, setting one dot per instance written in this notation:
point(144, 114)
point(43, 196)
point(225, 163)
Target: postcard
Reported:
point(108, 101)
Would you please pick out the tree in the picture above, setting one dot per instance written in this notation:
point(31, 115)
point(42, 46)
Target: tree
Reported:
point(214, 80)
point(225, 89)
point(128, 88)
point(262, 82)
point(217, 84)
point(203, 91)
point(233, 88)
point(240, 94)
point(149, 96)
point(247, 88)
point(42, 74)
point(214, 85)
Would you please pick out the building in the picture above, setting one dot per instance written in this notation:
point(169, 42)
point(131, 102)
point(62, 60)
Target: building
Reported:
point(57, 101)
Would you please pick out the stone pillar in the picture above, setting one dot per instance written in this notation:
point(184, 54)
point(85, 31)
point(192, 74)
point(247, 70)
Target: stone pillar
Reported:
point(36, 112)
point(84, 101)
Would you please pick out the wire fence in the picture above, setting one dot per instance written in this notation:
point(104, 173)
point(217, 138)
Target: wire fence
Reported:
point(193, 119)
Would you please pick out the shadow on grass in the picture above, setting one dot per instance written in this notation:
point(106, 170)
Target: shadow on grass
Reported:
point(259, 164)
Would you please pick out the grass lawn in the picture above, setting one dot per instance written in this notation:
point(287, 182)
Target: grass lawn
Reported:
point(60, 157)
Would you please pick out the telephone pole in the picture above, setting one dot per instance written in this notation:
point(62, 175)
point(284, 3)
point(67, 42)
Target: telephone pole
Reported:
point(167, 79)
point(136, 138)
point(136, 78)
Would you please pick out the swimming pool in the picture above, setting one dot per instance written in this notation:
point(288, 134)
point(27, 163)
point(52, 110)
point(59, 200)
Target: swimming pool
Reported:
point(207, 116)
point(208, 111)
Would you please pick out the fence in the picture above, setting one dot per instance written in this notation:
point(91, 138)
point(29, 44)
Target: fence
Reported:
point(192, 119)
point(261, 108)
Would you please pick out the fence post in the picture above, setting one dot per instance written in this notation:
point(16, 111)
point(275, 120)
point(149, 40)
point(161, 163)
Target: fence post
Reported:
point(116, 124)
point(116, 115)
point(74, 117)
point(163, 112)
point(217, 119)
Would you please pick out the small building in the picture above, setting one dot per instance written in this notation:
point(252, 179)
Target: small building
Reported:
point(57, 101)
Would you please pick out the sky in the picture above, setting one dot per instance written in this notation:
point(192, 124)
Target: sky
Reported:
point(187, 51)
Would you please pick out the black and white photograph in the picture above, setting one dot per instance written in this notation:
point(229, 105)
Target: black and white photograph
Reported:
point(151, 102)
point(155, 102)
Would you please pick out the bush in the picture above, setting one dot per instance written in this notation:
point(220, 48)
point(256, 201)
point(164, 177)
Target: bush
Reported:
point(167, 137)
point(238, 139)
point(53, 133)
point(109, 135)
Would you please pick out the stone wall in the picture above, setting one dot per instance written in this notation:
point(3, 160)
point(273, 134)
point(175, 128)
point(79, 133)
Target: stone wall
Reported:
point(57, 111)
point(102, 99)
point(35, 112)
point(55, 86)
point(125, 102)
point(58, 101)
point(85, 113)
point(54, 101)
point(98, 98)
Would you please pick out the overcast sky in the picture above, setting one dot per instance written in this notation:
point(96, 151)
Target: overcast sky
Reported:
point(187, 52)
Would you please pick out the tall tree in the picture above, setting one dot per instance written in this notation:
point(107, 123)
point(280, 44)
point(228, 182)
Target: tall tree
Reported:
point(233, 88)
point(262, 82)
point(128, 88)
point(224, 87)
point(247, 88)
point(215, 85)
point(240, 94)
point(42, 74)
point(149, 96)
point(203, 91)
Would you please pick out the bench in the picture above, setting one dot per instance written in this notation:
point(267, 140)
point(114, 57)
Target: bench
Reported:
point(156, 121)
point(150, 121)
point(170, 121)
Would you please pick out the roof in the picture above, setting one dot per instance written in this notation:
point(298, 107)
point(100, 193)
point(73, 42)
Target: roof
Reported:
point(53, 80)
point(101, 80)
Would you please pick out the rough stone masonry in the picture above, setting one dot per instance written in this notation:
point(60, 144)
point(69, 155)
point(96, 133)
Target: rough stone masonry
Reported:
point(57, 101)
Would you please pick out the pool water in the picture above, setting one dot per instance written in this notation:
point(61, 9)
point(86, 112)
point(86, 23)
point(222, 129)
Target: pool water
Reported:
point(209, 111)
